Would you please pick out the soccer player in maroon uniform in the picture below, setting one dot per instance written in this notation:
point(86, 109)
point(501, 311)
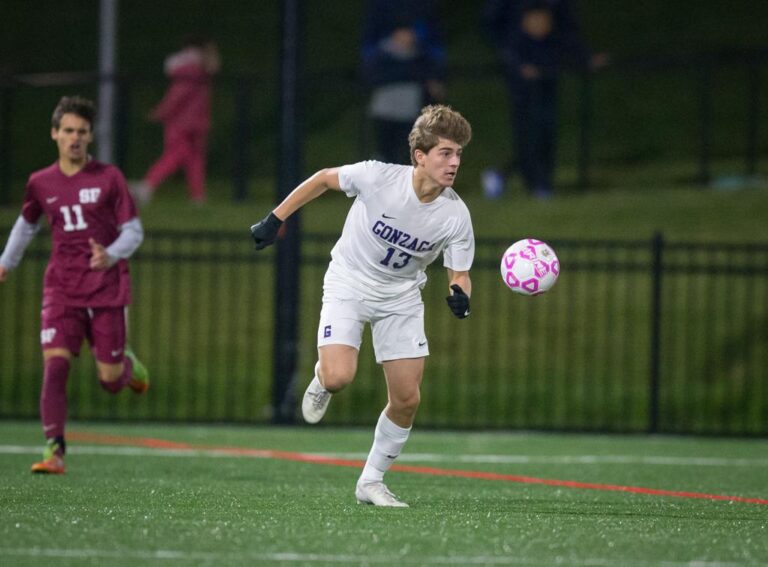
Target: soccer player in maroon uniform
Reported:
point(94, 229)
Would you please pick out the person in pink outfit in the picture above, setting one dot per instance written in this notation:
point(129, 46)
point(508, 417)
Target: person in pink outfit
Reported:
point(185, 113)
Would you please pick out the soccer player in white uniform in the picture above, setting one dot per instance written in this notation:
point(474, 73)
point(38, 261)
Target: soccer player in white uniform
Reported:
point(402, 218)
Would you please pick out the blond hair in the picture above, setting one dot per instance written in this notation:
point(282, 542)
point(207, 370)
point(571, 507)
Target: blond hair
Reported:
point(438, 121)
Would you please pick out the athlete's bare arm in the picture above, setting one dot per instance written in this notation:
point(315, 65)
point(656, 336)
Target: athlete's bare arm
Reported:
point(307, 191)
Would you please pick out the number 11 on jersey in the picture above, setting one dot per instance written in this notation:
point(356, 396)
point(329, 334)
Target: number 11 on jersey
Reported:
point(80, 223)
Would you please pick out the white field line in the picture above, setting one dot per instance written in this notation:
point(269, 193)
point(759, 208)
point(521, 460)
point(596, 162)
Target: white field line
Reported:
point(414, 457)
point(293, 557)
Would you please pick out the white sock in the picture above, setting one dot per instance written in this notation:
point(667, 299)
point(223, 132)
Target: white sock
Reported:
point(388, 441)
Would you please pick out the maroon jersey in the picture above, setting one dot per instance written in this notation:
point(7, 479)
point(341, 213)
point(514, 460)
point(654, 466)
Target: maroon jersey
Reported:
point(93, 203)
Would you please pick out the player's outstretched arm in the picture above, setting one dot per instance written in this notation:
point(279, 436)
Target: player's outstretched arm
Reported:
point(265, 231)
point(21, 235)
point(130, 238)
point(461, 288)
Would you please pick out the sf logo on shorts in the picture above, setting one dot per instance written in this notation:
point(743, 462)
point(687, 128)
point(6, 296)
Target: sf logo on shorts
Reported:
point(46, 336)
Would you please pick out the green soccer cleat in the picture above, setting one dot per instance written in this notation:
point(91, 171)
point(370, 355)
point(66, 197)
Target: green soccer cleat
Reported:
point(53, 459)
point(139, 382)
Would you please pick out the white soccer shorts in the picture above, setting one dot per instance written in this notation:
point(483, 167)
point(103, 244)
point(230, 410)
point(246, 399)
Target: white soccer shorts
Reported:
point(397, 325)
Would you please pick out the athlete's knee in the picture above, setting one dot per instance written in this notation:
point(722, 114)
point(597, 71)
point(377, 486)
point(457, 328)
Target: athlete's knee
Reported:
point(336, 375)
point(402, 410)
point(405, 401)
point(110, 372)
point(51, 353)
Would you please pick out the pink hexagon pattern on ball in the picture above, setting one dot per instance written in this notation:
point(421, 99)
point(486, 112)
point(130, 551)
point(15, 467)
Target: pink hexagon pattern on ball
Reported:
point(531, 285)
point(534, 241)
point(529, 253)
point(540, 268)
point(555, 267)
point(512, 280)
point(509, 260)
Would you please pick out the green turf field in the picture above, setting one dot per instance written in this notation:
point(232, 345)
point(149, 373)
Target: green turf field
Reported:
point(206, 496)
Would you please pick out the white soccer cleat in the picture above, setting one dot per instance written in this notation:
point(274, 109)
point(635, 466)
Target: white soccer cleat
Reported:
point(378, 494)
point(315, 402)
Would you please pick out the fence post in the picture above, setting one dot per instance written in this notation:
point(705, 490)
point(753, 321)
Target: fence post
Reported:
point(241, 139)
point(122, 126)
point(657, 269)
point(287, 259)
point(753, 115)
point(586, 130)
point(6, 161)
point(705, 121)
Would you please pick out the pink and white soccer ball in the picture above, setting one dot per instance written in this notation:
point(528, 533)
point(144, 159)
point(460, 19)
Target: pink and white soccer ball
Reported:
point(530, 267)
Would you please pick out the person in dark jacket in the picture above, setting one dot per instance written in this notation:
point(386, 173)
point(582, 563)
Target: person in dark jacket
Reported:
point(534, 39)
point(403, 64)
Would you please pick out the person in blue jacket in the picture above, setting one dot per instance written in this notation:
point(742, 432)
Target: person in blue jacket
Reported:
point(403, 65)
point(534, 39)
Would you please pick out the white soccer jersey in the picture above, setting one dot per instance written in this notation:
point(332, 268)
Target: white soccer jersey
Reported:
point(390, 237)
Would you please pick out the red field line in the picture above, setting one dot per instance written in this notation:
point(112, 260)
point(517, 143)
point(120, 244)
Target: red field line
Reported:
point(151, 443)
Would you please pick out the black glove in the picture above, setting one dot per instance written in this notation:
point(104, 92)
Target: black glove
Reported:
point(458, 302)
point(264, 232)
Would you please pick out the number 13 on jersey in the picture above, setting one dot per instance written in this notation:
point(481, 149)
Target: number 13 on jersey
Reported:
point(398, 263)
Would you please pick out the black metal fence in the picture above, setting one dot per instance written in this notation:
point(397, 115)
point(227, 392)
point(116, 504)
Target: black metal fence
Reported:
point(643, 336)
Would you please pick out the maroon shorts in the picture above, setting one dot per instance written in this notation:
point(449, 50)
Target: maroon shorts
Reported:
point(103, 328)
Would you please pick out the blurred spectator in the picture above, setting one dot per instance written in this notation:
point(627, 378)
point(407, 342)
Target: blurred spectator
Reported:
point(403, 63)
point(185, 113)
point(533, 38)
